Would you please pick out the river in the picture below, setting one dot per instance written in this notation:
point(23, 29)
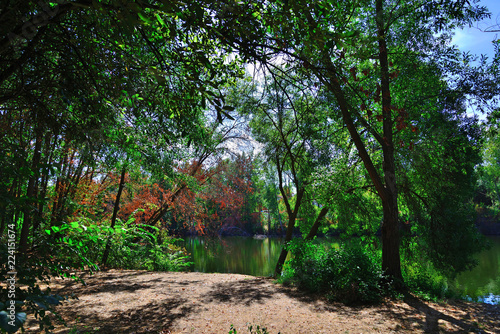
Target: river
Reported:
point(258, 257)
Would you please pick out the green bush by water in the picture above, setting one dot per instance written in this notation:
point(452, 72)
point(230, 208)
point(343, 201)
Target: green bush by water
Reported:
point(349, 274)
point(424, 280)
point(352, 274)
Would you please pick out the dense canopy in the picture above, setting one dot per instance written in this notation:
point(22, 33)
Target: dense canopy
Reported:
point(126, 122)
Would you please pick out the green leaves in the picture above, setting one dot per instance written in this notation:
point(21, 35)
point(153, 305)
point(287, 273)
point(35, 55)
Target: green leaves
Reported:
point(223, 111)
point(10, 322)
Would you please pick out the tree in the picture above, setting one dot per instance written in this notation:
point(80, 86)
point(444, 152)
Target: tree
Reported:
point(116, 207)
point(287, 122)
point(85, 74)
point(86, 86)
point(488, 171)
point(437, 191)
point(350, 48)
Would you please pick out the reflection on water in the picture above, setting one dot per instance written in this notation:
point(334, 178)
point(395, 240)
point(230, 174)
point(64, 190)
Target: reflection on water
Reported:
point(239, 255)
point(257, 257)
point(483, 281)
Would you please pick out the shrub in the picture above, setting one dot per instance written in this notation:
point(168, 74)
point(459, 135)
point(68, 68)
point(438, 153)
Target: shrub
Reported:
point(423, 278)
point(59, 250)
point(425, 281)
point(349, 274)
point(133, 246)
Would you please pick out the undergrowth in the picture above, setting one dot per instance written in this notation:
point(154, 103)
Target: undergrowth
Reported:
point(352, 274)
point(133, 246)
point(349, 274)
point(60, 251)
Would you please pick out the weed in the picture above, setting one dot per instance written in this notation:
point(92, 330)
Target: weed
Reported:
point(251, 329)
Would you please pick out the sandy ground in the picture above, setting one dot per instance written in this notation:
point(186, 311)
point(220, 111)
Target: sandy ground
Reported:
point(122, 301)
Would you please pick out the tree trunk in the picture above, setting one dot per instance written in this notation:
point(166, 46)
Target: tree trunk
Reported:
point(314, 229)
point(289, 234)
point(30, 194)
point(292, 215)
point(105, 255)
point(390, 228)
point(391, 263)
point(9, 211)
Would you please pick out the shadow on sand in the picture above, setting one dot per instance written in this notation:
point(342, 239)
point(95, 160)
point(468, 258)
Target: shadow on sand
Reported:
point(182, 301)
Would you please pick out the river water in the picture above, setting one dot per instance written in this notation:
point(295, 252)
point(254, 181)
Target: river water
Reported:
point(257, 257)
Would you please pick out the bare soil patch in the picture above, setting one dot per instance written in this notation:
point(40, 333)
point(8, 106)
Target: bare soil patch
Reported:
point(125, 301)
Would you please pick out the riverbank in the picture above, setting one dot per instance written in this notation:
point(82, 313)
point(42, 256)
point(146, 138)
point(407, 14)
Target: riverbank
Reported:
point(126, 301)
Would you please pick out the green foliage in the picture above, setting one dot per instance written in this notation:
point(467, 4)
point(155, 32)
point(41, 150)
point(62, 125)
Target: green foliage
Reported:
point(426, 278)
point(133, 246)
point(79, 245)
point(425, 281)
point(101, 85)
point(436, 193)
point(489, 170)
point(30, 298)
point(350, 274)
point(167, 257)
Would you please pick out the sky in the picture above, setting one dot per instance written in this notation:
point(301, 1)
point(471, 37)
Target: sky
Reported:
point(477, 39)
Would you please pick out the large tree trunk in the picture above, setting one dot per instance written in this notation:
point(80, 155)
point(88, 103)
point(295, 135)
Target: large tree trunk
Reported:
point(390, 228)
point(390, 243)
point(391, 263)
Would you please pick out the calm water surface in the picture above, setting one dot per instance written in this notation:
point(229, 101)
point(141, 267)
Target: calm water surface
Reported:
point(241, 255)
point(483, 281)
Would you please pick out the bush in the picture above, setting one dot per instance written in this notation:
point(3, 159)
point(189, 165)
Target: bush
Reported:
point(423, 279)
point(133, 246)
point(349, 274)
point(425, 282)
point(60, 250)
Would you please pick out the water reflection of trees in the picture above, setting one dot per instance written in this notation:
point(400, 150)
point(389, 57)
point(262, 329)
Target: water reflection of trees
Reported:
point(258, 257)
point(486, 276)
point(234, 254)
